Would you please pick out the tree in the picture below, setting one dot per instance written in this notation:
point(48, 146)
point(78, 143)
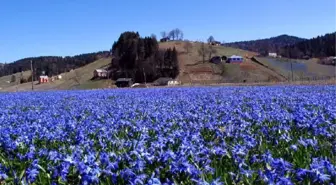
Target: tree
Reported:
point(211, 39)
point(203, 51)
point(178, 34)
point(187, 46)
point(13, 79)
point(163, 34)
point(153, 36)
point(141, 59)
point(76, 77)
point(172, 35)
point(211, 51)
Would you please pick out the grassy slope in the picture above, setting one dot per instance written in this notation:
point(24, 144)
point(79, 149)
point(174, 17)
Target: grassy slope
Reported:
point(193, 70)
point(313, 68)
point(4, 79)
point(85, 73)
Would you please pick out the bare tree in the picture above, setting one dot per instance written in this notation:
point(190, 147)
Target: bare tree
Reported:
point(181, 35)
point(211, 39)
point(153, 36)
point(178, 34)
point(163, 34)
point(171, 35)
point(187, 46)
point(77, 77)
point(212, 50)
point(203, 51)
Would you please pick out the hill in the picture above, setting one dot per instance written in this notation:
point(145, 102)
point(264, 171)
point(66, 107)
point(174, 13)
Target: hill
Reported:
point(298, 70)
point(318, 47)
point(51, 65)
point(193, 70)
point(79, 78)
point(263, 46)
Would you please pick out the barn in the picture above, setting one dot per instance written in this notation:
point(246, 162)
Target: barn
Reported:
point(100, 73)
point(235, 59)
point(124, 82)
point(43, 79)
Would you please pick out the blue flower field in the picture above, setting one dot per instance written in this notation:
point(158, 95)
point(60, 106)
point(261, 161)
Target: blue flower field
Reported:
point(205, 135)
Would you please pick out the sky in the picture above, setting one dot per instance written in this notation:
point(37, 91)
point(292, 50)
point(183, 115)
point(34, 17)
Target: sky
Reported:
point(65, 28)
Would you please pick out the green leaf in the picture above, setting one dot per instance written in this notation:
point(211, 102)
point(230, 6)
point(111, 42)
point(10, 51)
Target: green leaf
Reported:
point(40, 167)
point(21, 174)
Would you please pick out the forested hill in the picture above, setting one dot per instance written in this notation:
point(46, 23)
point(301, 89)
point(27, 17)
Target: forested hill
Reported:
point(51, 65)
point(318, 47)
point(264, 46)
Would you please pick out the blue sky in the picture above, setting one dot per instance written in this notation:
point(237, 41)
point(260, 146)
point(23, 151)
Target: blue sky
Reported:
point(64, 27)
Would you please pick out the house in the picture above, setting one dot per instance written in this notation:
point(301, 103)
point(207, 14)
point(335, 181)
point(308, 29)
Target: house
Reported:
point(216, 59)
point(162, 81)
point(165, 39)
point(215, 43)
point(272, 55)
point(124, 82)
point(173, 83)
point(235, 59)
point(138, 85)
point(100, 73)
point(306, 57)
point(43, 79)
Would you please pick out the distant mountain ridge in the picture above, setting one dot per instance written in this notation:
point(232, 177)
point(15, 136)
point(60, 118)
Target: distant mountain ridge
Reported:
point(264, 46)
point(317, 47)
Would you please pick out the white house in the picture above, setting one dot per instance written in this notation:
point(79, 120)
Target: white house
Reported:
point(235, 59)
point(173, 83)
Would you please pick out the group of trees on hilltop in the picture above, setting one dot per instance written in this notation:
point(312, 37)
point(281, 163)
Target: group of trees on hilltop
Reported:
point(319, 47)
point(141, 59)
point(264, 46)
point(51, 65)
point(175, 34)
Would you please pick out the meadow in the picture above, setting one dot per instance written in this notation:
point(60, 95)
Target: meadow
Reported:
point(204, 135)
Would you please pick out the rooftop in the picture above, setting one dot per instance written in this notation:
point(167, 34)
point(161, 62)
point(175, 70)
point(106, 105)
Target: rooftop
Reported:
point(236, 56)
point(124, 79)
point(100, 70)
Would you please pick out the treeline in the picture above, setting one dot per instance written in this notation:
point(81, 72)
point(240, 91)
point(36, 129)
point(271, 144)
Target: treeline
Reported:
point(51, 65)
point(318, 47)
point(141, 59)
point(264, 46)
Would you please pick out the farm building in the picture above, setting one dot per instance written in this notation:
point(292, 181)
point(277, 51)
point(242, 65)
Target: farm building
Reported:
point(124, 82)
point(272, 55)
point(173, 83)
point(216, 60)
point(328, 61)
point(215, 43)
point(166, 39)
point(43, 79)
point(162, 81)
point(235, 59)
point(100, 73)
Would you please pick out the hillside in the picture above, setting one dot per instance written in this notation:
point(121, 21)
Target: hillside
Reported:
point(51, 65)
point(321, 46)
point(193, 70)
point(299, 70)
point(263, 46)
point(69, 79)
point(5, 80)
